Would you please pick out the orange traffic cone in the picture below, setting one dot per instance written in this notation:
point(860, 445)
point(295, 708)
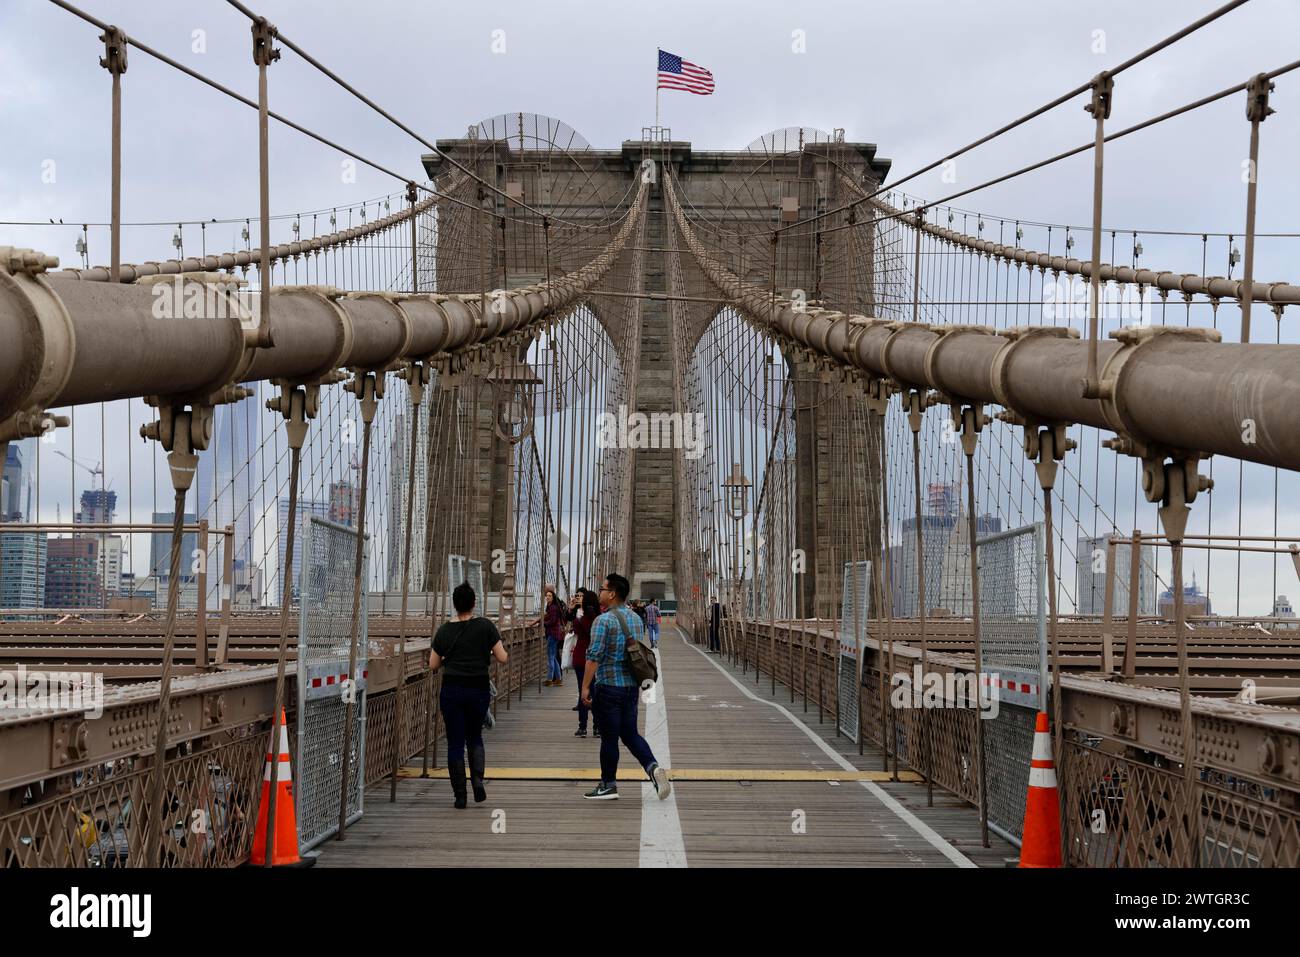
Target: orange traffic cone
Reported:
point(285, 850)
point(1041, 841)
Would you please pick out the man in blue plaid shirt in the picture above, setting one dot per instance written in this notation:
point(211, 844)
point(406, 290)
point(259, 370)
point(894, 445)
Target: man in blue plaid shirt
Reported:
point(611, 691)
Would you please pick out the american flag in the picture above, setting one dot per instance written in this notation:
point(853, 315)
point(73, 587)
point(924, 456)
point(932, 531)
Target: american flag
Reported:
point(678, 74)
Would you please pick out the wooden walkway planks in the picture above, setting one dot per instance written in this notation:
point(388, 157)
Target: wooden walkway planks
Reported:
point(715, 729)
point(678, 774)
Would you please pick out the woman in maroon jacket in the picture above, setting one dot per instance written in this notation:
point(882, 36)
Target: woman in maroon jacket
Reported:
point(584, 617)
point(553, 623)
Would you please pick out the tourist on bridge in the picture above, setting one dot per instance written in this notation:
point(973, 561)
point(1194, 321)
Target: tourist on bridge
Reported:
point(652, 622)
point(715, 627)
point(611, 691)
point(584, 617)
point(463, 648)
point(553, 622)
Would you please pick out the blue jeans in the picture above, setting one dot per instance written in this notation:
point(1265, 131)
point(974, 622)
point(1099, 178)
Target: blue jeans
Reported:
point(463, 710)
point(654, 634)
point(553, 670)
point(615, 711)
point(583, 710)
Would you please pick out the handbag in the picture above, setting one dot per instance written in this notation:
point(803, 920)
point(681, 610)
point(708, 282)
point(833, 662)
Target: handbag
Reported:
point(566, 653)
point(638, 657)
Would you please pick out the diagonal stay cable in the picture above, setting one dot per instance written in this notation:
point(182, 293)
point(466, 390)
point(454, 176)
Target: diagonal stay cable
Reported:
point(143, 48)
point(1066, 154)
point(330, 74)
point(1033, 114)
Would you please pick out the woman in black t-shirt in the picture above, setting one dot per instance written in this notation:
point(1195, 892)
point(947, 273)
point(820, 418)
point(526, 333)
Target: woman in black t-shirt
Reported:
point(463, 648)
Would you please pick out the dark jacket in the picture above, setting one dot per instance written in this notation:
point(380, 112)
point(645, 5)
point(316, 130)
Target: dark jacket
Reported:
point(554, 620)
point(582, 629)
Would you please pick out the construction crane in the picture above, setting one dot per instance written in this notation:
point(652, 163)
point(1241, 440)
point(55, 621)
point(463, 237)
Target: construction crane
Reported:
point(96, 469)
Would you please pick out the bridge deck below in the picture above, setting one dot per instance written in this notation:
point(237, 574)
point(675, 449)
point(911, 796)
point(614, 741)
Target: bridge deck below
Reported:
point(708, 721)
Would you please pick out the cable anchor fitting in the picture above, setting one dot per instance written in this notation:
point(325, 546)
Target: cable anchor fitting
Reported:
point(115, 46)
point(264, 36)
point(1257, 91)
point(1103, 87)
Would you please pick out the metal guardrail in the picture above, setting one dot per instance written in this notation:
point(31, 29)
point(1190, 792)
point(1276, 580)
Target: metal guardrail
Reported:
point(74, 791)
point(1123, 795)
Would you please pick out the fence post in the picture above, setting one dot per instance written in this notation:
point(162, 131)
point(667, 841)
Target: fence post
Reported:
point(201, 612)
point(227, 592)
point(1134, 568)
point(1108, 610)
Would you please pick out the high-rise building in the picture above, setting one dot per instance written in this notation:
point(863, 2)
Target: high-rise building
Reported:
point(108, 565)
point(1282, 609)
point(942, 498)
point(16, 481)
point(399, 497)
point(22, 571)
point(248, 588)
point(305, 508)
point(397, 452)
point(14, 486)
point(223, 483)
point(158, 591)
point(1090, 578)
point(22, 554)
point(947, 574)
point(1196, 603)
point(71, 579)
point(954, 577)
point(97, 506)
point(160, 546)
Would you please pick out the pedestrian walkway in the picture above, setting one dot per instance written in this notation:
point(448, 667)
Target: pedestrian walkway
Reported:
point(758, 783)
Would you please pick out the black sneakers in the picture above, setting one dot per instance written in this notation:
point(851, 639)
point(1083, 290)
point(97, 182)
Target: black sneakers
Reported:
point(603, 792)
point(580, 733)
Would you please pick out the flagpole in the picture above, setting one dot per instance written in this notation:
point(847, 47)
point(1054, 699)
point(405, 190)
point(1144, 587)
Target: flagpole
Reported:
point(656, 91)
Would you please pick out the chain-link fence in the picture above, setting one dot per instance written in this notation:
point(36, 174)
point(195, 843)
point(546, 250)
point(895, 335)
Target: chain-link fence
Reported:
point(1013, 665)
point(326, 698)
point(856, 605)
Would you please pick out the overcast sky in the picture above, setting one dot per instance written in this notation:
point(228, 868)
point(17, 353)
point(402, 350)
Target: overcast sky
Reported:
point(917, 78)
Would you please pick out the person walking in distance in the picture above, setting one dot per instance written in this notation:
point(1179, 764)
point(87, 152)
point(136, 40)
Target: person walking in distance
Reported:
point(715, 626)
point(463, 648)
point(652, 622)
point(584, 617)
point(611, 691)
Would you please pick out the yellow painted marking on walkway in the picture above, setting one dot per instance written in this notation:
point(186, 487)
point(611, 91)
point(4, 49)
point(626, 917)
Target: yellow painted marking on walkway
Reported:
point(676, 774)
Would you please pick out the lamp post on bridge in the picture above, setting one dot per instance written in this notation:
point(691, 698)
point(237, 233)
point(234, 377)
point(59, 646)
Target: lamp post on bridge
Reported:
point(513, 388)
point(703, 600)
point(735, 498)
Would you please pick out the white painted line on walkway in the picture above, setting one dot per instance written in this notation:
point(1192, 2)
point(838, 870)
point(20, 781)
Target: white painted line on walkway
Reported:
point(915, 823)
point(661, 828)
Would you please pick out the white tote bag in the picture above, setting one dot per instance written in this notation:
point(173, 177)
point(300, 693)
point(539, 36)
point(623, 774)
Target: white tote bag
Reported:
point(566, 652)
